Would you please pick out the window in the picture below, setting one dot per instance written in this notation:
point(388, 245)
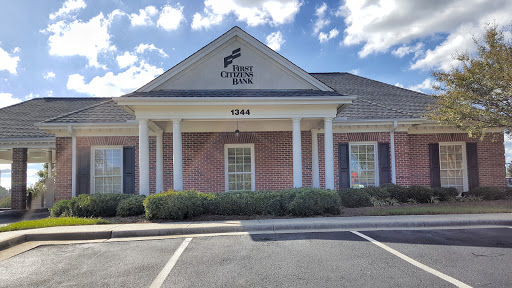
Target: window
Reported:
point(453, 165)
point(107, 174)
point(239, 167)
point(363, 165)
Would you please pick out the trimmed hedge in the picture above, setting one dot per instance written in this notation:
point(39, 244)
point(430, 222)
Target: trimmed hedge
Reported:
point(132, 206)
point(96, 205)
point(420, 194)
point(176, 205)
point(355, 197)
point(445, 194)
point(179, 205)
point(488, 193)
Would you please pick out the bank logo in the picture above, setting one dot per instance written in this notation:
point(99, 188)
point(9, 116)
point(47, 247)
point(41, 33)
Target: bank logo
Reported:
point(228, 60)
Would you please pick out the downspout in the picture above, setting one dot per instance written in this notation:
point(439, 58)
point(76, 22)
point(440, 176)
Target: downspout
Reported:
point(392, 138)
point(73, 161)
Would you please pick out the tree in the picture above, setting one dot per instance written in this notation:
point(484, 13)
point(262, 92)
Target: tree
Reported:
point(39, 188)
point(509, 170)
point(477, 95)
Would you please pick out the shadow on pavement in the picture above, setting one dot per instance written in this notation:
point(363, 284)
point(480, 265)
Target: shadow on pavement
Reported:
point(478, 237)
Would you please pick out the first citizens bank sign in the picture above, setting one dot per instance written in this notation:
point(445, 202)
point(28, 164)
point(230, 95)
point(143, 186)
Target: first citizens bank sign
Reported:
point(238, 74)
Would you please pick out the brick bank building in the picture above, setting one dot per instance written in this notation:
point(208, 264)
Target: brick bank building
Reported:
point(234, 116)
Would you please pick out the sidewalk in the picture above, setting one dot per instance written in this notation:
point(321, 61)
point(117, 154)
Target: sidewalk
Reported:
point(319, 224)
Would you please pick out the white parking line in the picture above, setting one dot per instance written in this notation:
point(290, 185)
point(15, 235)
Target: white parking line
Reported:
point(157, 283)
point(414, 262)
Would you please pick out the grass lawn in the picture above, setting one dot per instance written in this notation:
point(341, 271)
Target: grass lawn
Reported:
point(432, 210)
point(51, 222)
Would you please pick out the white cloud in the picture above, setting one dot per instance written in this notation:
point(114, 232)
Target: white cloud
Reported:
point(31, 96)
point(355, 71)
point(320, 22)
point(150, 47)
point(8, 100)
point(324, 37)
point(79, 38)
point(111, 85)
point(399, 85)
point(68, 7)
point(380, 25)
point(171, 17)
point(8, 62)
point(424, 86)
point(253, 13)
point(144, 16)
point(126, 59)
point(405, 50)
point(275, 40)
point(49, 75)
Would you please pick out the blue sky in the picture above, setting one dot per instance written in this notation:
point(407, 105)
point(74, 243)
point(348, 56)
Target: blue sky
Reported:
point(85, 48)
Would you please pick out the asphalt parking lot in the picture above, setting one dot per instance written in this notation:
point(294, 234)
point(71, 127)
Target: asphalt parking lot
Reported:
point(478, 257)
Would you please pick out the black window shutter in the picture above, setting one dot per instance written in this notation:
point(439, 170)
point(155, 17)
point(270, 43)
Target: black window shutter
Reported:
point(128, 170)
point(384, 164)
point(435, 168)
point(344, 165)
point(472, 159)
point(84, 170)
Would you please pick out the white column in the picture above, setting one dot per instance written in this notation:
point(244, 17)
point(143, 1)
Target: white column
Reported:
point(393, 168)
point(159, 163)
point(177, 157)
point(73, 165)
point(143, 157)
point(329, 154)
point(50, 164)
point(314, 154)
point(297, 154)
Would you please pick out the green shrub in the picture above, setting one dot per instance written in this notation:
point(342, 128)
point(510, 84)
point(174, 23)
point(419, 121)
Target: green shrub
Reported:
point(176, 205)
point(131, 206)
point(5, 202)
point(400, 193)
point(420, 193)
point(96, 205)
point(377, 192)
point(353, 198)
point(445, 193)
point(309, 202)
point(247, 203)
point(488, 193)
point(61, 208)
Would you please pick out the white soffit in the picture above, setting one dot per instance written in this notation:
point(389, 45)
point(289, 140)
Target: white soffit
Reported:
point(235, 60)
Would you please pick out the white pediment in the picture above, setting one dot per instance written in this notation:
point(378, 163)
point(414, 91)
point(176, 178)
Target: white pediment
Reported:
point(235, 60)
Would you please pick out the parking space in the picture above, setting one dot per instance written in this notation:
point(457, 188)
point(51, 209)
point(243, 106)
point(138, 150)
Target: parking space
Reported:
point(477, 257)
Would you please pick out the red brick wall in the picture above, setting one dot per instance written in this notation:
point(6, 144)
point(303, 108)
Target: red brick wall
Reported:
point(63, 168)
point(203, 158)
point(19, 178)
point(412, 157)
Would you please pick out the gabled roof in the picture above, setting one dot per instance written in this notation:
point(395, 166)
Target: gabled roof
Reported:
point(376, 100)
point(235, 93)
point(216, 45)
point(104, 112)
point(17, 121)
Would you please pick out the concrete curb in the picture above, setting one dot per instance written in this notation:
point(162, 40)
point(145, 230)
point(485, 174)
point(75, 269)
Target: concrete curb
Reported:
point(285, 226)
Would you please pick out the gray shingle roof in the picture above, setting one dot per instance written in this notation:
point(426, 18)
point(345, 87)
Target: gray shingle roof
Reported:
point(104, 112)
point(376, 100)
point(234, 93)
point(17, 121)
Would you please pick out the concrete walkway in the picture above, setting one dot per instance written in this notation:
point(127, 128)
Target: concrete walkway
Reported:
point(319, 224)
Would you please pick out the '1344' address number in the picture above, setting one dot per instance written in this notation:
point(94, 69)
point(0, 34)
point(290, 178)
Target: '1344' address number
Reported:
point(240, 112)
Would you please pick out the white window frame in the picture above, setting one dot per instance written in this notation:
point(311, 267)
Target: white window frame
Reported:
point(253, 173)
point(465, 181)
point(93, 178)
point(375, 157)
